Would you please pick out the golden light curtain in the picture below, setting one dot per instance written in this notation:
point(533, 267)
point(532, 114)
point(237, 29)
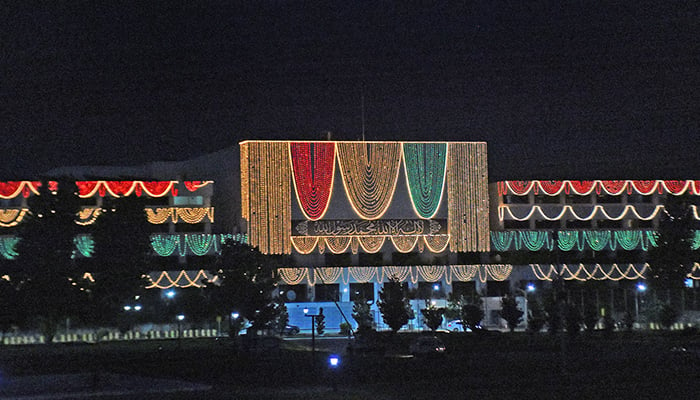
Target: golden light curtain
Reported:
point(369, 172)
point(270, 208)
point(467, 197)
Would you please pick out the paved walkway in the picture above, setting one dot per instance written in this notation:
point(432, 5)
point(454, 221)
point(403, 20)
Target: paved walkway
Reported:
point(89, 386)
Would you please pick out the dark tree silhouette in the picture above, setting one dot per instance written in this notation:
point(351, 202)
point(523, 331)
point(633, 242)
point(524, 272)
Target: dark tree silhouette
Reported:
point(120, 257)
point(672, 259)
point(393, 304)
point(510, 312)
point(246, 281)
point(47, 273)
point(433, 315)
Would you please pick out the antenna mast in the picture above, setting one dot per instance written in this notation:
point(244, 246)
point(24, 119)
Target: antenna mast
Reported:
point(362, 101)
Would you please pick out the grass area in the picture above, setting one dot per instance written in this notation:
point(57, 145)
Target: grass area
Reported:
point(489, 366)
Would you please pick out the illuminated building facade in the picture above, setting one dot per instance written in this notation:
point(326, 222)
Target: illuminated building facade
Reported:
point(354, 214)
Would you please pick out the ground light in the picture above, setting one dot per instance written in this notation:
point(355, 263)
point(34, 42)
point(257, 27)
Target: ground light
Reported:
point(333, 364)
point(333, 361)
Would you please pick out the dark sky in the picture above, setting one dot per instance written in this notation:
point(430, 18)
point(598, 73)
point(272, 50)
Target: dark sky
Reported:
point(557, 91)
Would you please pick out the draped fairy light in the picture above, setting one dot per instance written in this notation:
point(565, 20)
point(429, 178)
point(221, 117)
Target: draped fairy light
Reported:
point(166, 245)
point(369, 171)
point(567, 211)
point(313, 169)
point(467, 197)
point(431, 273)
point(399, 273)
point(268, 178)
point(425, 167)
point(436, 243)
point(462, 273)
point(12, 216)
point(371, 244)
point(88, 215)
point(7, 247)
point(126, 188)
point(12, 189)
point(497, 272)
point(189, 215)
point(337, 244)
point(568, 240)
point(304, 244)
point(404, 244)
point(582, 272)
point(610, 187)
point(184, 279)
point(535, 240)
point(293, 276)
point(84, 245)
point(325, 275)
point(363, 274)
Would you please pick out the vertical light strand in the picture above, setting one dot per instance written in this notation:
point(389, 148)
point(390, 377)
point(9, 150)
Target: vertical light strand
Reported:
point(467, 196)
point(270, 222)
point(245, 195)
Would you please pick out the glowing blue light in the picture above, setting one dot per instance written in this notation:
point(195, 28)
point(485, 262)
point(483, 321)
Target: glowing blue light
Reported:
point(235, 315)
point(127, 308)
point(137, 307)
point(170, 294)
point(641, 287)
point(436, 286)
point(689, 282)
point(181, 317)
point(530, 287)
point(333, 360)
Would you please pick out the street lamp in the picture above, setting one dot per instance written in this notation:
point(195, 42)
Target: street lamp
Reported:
point(180, 318)
point(641, 288)
point(312, 313)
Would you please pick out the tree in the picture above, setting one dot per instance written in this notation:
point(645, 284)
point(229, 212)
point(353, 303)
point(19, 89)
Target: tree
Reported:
point(471, 316)
point(320, 322)
point(536, 316)
point(246, 281)
point(48, 278)
point(510, 312)
point(432, 315)
point(120, 259)
point(667, 316)
point(394, 305)
point(590, 317)
point(362, 314)
point(672, 258)
point(572, 319)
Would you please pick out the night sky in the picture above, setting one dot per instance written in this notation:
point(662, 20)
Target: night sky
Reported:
point(557, 91)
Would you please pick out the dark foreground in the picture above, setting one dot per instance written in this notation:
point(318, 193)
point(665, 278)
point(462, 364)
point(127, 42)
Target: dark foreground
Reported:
point(626, 365)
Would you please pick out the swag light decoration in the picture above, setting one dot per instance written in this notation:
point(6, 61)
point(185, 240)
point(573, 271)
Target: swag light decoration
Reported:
point(585, 213)
point(12, 216)
point(610, 187)
point(369, 172)
point(413, 274)
point(313, 168)
point(569, 240)
point(12, 189)
point(425, 166)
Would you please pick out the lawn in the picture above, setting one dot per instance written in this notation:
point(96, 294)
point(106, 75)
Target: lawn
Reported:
point(497, 365)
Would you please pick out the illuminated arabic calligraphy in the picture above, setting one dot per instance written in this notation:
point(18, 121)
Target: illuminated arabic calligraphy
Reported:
point(366, 227)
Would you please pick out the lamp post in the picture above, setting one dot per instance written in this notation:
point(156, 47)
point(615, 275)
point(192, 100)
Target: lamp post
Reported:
point(529, 288)
point(312, 313)
point(180, 318)
point(641, 288)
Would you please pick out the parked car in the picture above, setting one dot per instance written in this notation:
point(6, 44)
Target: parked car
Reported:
point(427, 346)
point(290, 330)
point(456, 326)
